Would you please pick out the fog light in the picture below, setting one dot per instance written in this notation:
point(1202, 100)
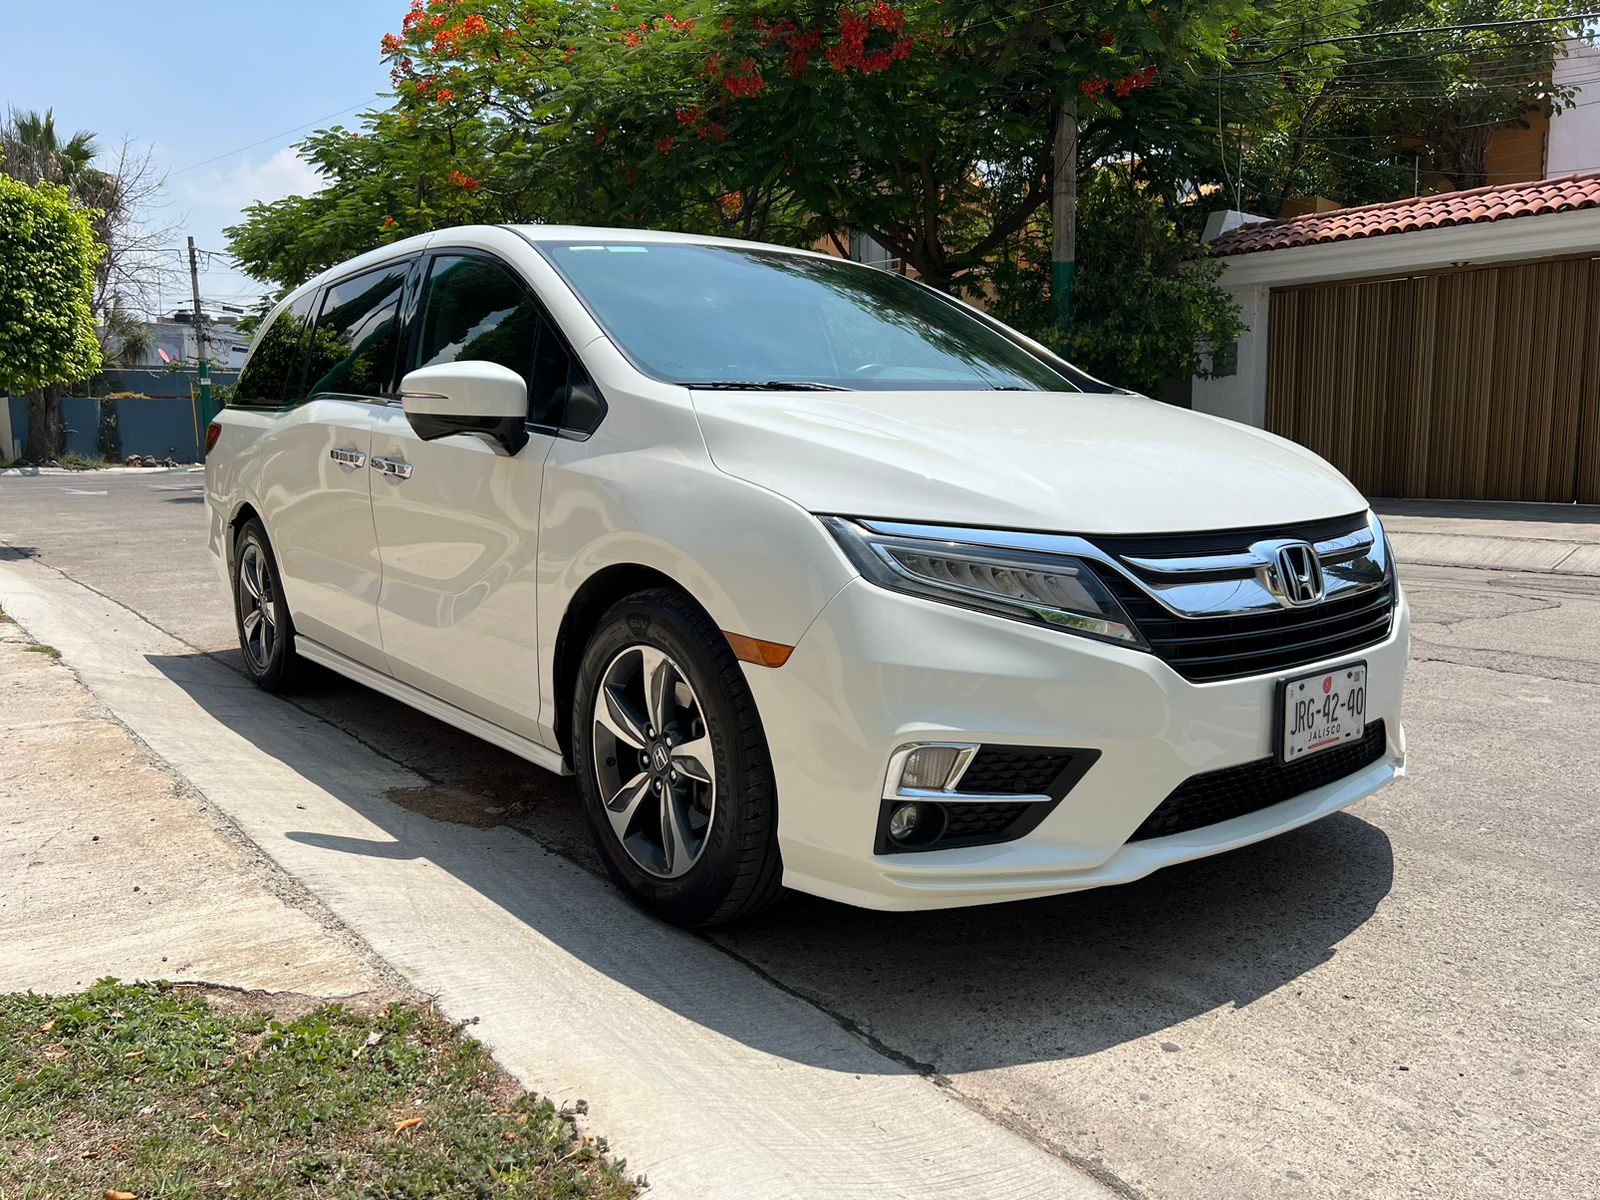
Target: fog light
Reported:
point(903, 822)
point(915, 825)
point(928, 768)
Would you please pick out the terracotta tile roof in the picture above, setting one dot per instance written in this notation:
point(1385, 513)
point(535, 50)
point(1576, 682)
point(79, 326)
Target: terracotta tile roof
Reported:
point(1497, 203)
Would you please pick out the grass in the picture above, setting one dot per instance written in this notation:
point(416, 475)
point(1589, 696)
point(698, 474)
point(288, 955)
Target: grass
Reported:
point(40, 648)
point(82, 462)
point(155, 1091)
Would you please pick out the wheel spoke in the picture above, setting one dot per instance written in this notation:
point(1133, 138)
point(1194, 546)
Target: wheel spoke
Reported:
point(694, 759)
point(659, 674)
point(269, 612)
point(675, 851)
point(250, 572)
point(251, 620)
point(621, 807)
point(614, 714)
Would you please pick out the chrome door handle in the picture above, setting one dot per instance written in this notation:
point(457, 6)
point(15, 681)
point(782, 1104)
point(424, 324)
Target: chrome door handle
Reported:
point(353, 459)
point(392, 468)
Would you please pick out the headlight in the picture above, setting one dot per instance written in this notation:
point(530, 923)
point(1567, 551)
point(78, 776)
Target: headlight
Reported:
point(1046, 589)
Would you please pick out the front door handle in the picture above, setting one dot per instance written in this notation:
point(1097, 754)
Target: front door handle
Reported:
point(353, 459)
point(392, 468)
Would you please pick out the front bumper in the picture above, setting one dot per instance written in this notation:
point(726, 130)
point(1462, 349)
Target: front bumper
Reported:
point(879, 669)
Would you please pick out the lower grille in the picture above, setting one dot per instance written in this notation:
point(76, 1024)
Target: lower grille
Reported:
point(1012, 771)
point(963, 821)
point(1235, 791)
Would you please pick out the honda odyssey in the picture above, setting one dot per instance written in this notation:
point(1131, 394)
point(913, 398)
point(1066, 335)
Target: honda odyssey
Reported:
point(814, 576)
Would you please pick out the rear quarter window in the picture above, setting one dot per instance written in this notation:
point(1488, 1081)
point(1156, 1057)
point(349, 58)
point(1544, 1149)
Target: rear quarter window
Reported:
point(271, 375)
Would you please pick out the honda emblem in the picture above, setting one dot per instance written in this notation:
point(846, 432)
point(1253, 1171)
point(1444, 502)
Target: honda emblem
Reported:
point(1299, 574)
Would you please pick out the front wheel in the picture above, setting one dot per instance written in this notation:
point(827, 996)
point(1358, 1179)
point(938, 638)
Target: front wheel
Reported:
point(673, 765)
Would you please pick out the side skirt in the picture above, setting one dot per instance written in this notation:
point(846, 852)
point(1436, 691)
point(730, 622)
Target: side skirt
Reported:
point(440, 710)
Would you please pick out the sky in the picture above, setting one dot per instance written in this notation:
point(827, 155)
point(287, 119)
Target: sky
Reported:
point(219, 90)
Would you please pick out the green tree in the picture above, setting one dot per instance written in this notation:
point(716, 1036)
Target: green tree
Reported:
point(1147, 308)
point(116, 190)
point(1363, 103)
point(47, 332)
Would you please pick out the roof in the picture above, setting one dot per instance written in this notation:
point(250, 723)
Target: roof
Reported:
point(1496, 203)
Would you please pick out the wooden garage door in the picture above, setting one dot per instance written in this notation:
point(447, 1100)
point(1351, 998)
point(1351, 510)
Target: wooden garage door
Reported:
point(1480, 384)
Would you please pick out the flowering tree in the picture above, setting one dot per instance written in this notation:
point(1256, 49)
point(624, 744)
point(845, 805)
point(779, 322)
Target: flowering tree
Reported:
point(929, 126)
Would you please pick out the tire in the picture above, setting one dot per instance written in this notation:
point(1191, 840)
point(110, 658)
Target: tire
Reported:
point(266, 631)
point(672, 857)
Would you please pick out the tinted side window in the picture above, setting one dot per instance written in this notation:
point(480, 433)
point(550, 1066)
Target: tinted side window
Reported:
point(475, 310)
point(555, 371)
point(272, 375)
point(353, 344)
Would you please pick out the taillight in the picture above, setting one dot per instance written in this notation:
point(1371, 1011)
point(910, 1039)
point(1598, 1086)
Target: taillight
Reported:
point(213, 432)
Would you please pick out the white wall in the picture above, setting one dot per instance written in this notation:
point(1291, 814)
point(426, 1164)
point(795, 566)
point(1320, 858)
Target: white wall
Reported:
point(1241, 396)
point(1575, 131)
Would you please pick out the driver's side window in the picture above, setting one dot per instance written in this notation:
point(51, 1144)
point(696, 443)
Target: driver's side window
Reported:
point(475, 309)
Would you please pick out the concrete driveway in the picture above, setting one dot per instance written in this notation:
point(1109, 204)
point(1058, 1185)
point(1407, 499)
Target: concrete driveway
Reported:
point(1400, 1000)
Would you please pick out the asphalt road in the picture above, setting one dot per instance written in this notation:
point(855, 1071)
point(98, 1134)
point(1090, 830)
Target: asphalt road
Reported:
point(1400, 1000)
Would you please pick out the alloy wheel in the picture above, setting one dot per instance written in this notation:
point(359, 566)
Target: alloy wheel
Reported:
point(258, 605)
point(653, 761)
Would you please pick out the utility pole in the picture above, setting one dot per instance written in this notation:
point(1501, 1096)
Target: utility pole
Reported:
point(1064, 214)
point(200, 335)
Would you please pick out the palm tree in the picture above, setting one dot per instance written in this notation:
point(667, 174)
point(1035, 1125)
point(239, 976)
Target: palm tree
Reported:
point(31, 150)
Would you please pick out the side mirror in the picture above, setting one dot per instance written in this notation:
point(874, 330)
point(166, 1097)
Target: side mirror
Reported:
point(482, 399)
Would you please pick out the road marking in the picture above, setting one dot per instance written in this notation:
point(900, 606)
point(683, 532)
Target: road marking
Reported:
point(81, 492)
point(176, 487)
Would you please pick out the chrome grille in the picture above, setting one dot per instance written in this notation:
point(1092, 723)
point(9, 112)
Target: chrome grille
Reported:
point(1202, 603)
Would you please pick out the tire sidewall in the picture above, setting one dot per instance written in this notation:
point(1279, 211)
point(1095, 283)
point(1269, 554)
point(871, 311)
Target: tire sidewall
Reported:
point(694, 896)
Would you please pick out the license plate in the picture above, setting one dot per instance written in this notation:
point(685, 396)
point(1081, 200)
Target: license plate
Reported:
point(1322, 711)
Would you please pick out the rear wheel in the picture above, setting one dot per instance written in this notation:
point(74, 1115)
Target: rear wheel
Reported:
point(673, 764)
point(266, 632)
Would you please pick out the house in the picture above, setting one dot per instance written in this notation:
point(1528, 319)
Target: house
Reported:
point(175, 336)
point(1440, 346)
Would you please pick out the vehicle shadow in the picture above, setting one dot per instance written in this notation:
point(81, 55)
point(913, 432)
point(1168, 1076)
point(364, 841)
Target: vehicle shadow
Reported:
point(956, 990)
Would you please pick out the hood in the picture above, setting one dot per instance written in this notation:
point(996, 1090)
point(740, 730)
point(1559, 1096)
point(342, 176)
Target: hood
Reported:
point(1064, 463)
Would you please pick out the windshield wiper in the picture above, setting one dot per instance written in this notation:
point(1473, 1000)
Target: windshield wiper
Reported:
point(764, 385)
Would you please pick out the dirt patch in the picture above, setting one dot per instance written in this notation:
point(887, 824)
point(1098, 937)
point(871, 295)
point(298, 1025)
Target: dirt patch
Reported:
point(111, 865)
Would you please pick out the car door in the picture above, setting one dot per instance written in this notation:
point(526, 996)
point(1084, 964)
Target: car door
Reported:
point(457, 519)
point(315, 481)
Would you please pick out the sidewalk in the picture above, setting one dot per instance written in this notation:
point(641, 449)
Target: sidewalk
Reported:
point(1562, 539)
point(709, 1078)
point(111, 866)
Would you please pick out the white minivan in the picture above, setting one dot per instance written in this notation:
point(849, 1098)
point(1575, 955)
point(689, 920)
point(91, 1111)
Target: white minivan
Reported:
point(815, 577)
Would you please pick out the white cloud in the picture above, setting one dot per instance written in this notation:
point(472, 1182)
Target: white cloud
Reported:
point(284, 174)
point(206, 201)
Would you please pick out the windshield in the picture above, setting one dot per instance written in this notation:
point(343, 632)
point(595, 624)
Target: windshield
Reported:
point(734, 317)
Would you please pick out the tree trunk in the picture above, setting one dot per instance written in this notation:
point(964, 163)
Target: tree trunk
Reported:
point(45, 432)
point(1064, 213)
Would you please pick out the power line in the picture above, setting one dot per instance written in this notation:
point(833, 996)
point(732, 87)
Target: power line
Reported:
point(273, 138)
point(1467, 27)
